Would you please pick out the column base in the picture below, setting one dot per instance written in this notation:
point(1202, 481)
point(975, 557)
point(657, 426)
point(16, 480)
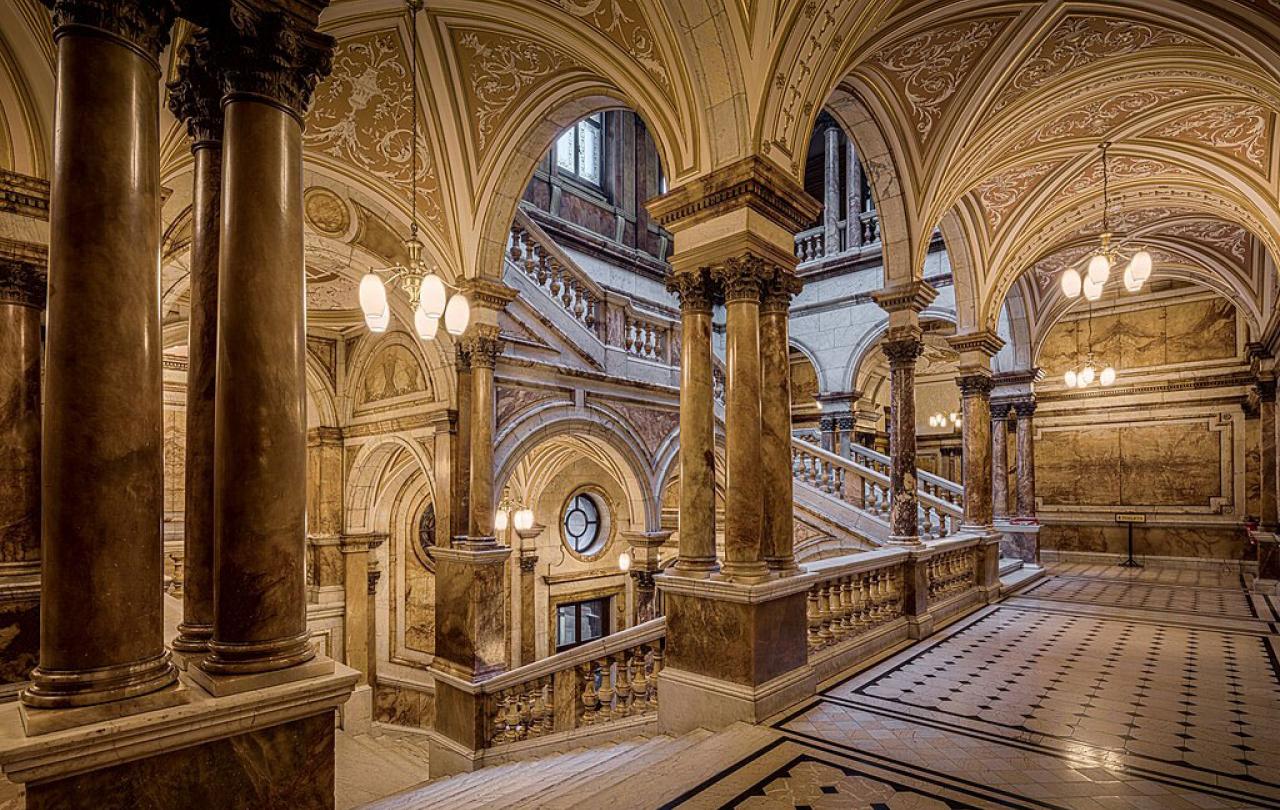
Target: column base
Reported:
point(689, 700)
point(751, 573)
point(193, 638)
point(46, 721)
point(904, 540)
point(697, 567)
point(249, 658)
point(224, 685)
point(66, 689)
point(783, 566)
point(268, 748)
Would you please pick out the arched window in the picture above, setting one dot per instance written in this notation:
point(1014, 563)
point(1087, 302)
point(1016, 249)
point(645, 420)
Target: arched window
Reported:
point(581, 524)
point(427, 529)
point(580, 148)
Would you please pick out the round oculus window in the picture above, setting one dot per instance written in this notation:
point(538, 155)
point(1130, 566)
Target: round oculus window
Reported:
point(582, 524)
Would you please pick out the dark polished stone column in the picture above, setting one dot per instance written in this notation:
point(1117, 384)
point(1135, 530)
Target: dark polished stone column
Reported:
point(975, 404)
point(273, 62)
point(196, 98)
point(1026, 459)
point(483, 347)
point(1268, 466)
point(1000, 459)
point(459, 522)
point(777, 525)
point(743, 278)
point(831, 191)
point(902, 347)
point(697, 555)
point(102, 621)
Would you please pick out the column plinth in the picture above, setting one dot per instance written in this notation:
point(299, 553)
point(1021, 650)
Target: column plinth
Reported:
point(697, 555)
point(103, 465)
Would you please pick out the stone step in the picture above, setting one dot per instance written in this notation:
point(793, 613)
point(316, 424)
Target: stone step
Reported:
point(569, 794)
point(389, 756)
point(522, 785)
point(1009, 564)
point(555, 783)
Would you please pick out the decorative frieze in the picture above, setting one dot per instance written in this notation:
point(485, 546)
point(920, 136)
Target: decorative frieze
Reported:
point(24, 195)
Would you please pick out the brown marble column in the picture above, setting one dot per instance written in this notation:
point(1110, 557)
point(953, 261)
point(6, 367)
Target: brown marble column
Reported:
point(697, 555)
point(902, 348)
point(975, 404)
point(743, 279)
point(1000, 459)
point(103, 465)
point(1026, 459)
point(273, 62)
point(483, 347)
point(777, 524)
point(1267, 511)
point(196, 98)
point(459, 522)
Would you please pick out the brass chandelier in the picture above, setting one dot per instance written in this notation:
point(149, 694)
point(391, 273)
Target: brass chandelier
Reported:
point(426, 290)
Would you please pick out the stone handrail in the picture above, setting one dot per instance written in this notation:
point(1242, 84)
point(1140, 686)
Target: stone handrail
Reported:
point(853, 596)
point(611, 679)
point(867, 487)
point(613, 317)
point(930, 483)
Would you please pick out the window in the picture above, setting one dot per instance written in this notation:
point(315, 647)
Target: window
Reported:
point(579, 148)
point(427, 529)
point(582, 524)
point(580, 622)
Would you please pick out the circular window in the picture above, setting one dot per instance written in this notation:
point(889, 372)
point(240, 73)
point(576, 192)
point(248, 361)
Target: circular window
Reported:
point(582, 524)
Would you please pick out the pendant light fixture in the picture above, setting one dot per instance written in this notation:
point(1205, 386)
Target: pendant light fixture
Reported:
point(1088, 373)
point(426, 290)
point(1098, 268)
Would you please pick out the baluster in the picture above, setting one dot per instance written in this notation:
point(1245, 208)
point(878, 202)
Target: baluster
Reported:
point(556, 274)
point(623, 686)
point(580, 302)
point(629, 330)
point(815, 617)
point(498, 726)
point(543, 266)
point(590, 698)
point(517, 244)
point(825, 636)
point(606, 691)
point(566, 295)
point(926, 524)
point(640, 684)
point(590, 317)
point(862, 601)
point(537, 711)
point(653, 675)
point(653, 341)
point(847, 619)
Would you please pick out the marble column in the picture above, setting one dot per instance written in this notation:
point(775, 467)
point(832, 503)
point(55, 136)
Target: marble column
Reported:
point(1267, 511)
point(196, 98)
point(483, 348)
point(831, 191)
point(853, 193)
point(743, 279)
point(22, 298)
point(1026, 449)
point(525, 590)
point(459, 522)
point(777, 523)
point(1000, 459)
point(697, 554)
point(902, 348)
point(103, 464)
point(975, 404)
point(260, 444)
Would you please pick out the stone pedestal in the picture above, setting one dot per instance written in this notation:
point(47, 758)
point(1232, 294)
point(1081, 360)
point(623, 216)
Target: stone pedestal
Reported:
point(358, 642)
point(989, 567)
point(735, 652)
point(915, 592)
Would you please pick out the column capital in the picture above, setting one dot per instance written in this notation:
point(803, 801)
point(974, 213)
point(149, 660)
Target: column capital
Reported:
point(779, 291)
point(462, 355)
point(143, 24)
point(483, 293)
point(273, 55)
point(1024, 407)
point(1000, 409)
point(23, 282)
point(483, 346)
point(324, 436)
point(695, 288)
point(975, 383)
point(744, 277)
point(528, 563)
point(913, 296)
point(196, 95)
point(902, 345)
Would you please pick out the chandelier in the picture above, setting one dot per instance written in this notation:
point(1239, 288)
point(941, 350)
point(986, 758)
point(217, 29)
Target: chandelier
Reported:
point(427, 291)
point(1087, 374)
point(1106, 256)
point(938, 420)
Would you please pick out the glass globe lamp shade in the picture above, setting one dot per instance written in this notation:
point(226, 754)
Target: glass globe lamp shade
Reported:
point(373, 296)
point(1086, 376)
point(426, 326)
point(1141, 265)
point(379, 322)
point(624, 562)
point(457, 314)
point(1108, 376)
point(1092, 289)
point(1099, 269)
point(432, 295)
point(1071, 283)
point(523, 519)
point(1131, 282)
point(501, 520)
point(1070, 378)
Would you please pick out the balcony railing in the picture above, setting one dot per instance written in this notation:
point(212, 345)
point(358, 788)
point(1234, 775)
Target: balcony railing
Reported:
point(811, 244)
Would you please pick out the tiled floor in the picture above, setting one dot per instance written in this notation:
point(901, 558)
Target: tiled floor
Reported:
point(1100, 687)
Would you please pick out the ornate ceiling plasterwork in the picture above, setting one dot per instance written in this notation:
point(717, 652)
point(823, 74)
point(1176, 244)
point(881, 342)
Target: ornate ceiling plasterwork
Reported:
point(362, 115)
point(1098, 117)
point(1000, 193)
point(1225, 237)
point(1122, 167)
point(623, 22)
point(1081, 40)
point(927, 69)
point(1241, 130)
point(499, 72)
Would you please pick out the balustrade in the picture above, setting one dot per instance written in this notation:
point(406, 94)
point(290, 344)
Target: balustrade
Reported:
point(811, 244)
point(843, 606)
point(951, 572)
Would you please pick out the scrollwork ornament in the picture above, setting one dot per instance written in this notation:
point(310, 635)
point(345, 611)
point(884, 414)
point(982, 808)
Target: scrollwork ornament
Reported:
point(196, 95)
point(483, 348)
point(144, 24)
point(271, 55)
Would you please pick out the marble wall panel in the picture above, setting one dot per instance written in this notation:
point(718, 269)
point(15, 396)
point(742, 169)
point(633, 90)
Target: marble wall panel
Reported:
point(1200, 330)
point(419, 606)
point(1078, 467)
point(1210, 542)
point(1170, 465)
point(1252, 466)
point(403, 706)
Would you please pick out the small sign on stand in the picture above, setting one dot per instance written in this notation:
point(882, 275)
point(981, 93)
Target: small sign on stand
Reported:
point(1129, 520)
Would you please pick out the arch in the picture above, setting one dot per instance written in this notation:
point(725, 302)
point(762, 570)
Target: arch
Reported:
point(378, 463)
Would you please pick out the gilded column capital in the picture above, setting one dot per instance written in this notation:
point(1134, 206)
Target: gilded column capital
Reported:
point(483, 346)
point(779, 291)
point(975, 383)
point(196, 95)
point(913, 296)
point(744, 277)
point(902, 345)
point(143, 24)
point(22, 282)
point(695, 289)
point(274, 56)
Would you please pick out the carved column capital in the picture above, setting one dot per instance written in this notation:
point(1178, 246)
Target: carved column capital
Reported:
point(1024, 408)
point(483, 346)
point(743, 277)
point(528, 563)
point(1000, 409)
point(975, 384)
point(902, 346)
point(23, 283)
point(144, 24)
point(462, 355)
point(695, 289)
point(196, 95)
point(779, 291)
point(273, 55)
point(644, 579)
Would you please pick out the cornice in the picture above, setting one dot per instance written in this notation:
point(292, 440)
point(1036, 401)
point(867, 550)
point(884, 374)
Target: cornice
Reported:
point(913, 296)
point(752, 182)
point(24, 195)
point(1020, 377)
point(987, 343)
point(487, 294)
